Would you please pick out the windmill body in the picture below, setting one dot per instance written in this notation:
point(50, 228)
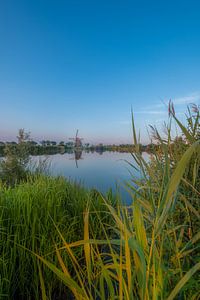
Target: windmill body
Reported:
point(77, 141)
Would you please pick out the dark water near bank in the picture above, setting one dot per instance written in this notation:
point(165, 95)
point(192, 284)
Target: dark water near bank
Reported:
point(100, 171)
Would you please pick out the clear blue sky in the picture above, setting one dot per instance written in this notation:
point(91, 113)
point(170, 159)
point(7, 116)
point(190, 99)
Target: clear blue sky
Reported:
point(82, 64)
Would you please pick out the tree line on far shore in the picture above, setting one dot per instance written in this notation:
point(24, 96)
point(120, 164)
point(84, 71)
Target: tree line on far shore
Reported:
point(53, 147)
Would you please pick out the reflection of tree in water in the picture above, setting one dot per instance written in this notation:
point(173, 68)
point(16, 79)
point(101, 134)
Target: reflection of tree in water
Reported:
point(100, 151)
point(69, 151)
point(62, 150)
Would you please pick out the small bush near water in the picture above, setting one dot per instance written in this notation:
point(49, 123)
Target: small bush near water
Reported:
point(59, 241)
point(14, 167)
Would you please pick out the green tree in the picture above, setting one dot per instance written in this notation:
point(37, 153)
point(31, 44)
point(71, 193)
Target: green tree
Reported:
point(14, 166)
point(43, 143)
point(48, 143)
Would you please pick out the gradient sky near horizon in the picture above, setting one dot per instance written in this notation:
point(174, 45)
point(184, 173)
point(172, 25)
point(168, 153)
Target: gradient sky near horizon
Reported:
point(83, 64)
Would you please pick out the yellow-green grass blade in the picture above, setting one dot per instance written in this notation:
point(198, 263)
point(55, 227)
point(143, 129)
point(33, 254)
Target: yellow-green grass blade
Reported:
point(189, 137)
point(191, 242)
point(128, 262)
point(140, 264)
point(173, 184)
point(190, 206)
point(106, 276)
point(139, 226)
point(65, 270)
point(68, 281)
point(77, 267)
point(117, 219)
point(61, 262)
point(87, 244)
point(120, 271)
point(183, 281)
point(44, 296)
point(134, 132)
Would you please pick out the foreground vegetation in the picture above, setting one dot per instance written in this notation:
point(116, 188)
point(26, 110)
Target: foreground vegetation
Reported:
point(28, 214)
point(60, 241)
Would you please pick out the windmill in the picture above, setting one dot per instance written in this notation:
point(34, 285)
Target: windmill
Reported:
point(77, 141)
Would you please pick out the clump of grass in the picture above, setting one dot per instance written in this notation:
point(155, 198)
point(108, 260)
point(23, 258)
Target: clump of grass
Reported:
point(26, 214)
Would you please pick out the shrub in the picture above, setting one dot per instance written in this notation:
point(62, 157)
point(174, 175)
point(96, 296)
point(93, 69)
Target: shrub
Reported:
point(14, 166)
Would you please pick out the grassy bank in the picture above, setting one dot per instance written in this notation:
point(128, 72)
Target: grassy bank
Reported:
point(60, 241)
point(27, 216)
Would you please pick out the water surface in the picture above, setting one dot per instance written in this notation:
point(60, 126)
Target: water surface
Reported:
point(101, 171)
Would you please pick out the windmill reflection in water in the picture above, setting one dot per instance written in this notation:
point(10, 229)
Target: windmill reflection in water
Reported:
point(77, 156)
point(77, 148)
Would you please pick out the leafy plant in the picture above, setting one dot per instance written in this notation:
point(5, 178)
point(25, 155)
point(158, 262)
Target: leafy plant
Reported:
point(14, 166)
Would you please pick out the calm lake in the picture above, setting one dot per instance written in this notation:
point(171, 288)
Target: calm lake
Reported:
point(101, 171)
